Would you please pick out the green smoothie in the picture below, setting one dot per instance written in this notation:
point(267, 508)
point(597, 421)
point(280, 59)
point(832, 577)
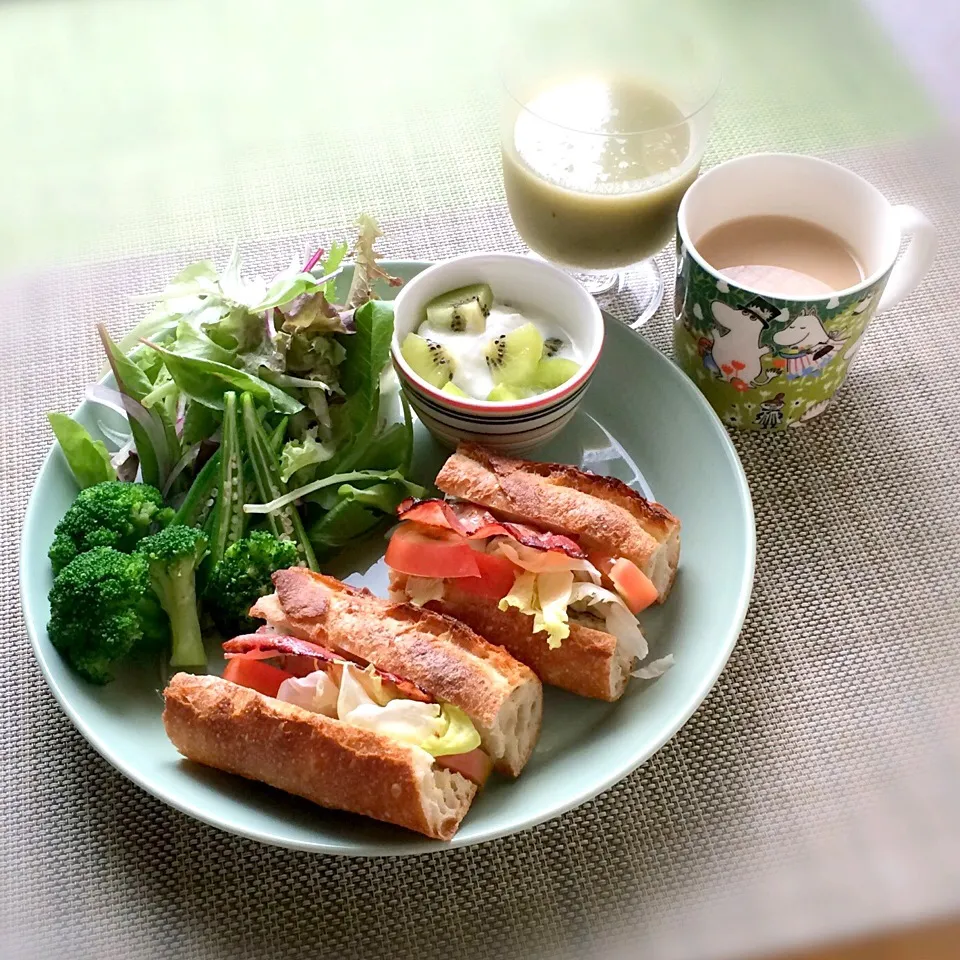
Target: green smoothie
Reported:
point(595, 169)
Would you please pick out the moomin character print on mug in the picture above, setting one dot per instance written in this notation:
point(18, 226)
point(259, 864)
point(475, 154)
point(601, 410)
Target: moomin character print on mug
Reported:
point(804, 345)
point(737, 349)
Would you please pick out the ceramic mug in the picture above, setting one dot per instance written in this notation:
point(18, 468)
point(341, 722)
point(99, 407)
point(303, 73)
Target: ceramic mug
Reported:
point(765, 361)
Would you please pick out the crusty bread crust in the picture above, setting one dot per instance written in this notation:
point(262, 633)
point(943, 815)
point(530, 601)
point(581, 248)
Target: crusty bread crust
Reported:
point(220, 724)
point(441, 655)
point(586, 663)
point(602, 512)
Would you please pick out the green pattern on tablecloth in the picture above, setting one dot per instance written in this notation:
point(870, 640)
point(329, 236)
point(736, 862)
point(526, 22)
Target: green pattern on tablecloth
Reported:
point(142, 126)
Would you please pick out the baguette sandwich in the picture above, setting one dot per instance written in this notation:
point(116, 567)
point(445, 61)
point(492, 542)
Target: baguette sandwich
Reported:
point(360, 704)
point(549, 561)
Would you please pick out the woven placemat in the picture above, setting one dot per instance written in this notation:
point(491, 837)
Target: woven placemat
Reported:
point(815, 792)
point(156, 125)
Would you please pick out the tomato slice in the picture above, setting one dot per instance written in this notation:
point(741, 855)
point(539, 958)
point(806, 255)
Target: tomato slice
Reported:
point(633, 585)
point(475, 765)
point(496, 577)
point(430, 552)
point(257, 675)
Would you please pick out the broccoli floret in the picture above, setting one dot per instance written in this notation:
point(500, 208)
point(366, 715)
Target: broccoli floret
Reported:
point(173, 555)
point(109, 514)
point(243, 576)
point(102, 609)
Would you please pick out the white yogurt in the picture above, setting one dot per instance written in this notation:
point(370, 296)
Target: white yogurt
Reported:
point(472, 375)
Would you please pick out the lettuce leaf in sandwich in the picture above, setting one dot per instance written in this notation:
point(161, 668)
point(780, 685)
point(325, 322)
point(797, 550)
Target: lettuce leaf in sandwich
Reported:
point(421, 590)
point(363, 700)
point(545, 597)
point(617, 618)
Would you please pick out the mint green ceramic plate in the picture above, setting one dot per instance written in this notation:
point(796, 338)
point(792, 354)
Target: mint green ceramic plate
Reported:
point(642, 421)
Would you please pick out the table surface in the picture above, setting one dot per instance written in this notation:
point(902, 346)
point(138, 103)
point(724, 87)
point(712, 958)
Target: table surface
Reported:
point(813, 795)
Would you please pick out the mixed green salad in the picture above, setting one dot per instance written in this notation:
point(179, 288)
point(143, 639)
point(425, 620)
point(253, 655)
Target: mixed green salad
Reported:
point(258, 434)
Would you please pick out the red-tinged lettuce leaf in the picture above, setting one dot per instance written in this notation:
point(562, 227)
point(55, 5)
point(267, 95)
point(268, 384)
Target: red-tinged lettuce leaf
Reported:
point(311, 315)
point(155, 438)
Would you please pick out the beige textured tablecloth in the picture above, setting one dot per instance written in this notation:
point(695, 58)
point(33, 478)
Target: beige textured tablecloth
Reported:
point(816, 791)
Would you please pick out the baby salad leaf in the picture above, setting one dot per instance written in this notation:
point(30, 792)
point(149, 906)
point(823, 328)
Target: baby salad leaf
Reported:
point(392, 448)
point(225, 306)
point(236, 288)
point(256, 296)
point(388, 449)
point(158, 446)
point(192, 291)
point(314, 355)
point(150, 362)
point(338, 250)
point(193, 342)
point(86, 457)
point(366, 270)
point(183, 294)
point(347, 521)
point(286, 288)
point(206, 381)
point(131, 377)
point(298, 455)
point(312, 490)
point(367, 352)
point(385, 496)
point(199, 423)
point(356, 510)
point(197, 279)
point(312, 311)
point(233, 328)
point(382, 489)
point(164, 394)
point(311, 315)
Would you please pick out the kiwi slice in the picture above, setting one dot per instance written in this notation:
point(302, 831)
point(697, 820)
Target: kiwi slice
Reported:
point(427, 359)
point(453, 390)
point(502, 392)
point(552, 371)
point(552, 346)
point(513, 357)
point(464, 310)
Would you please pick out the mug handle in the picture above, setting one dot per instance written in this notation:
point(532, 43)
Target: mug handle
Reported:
point(917, 259)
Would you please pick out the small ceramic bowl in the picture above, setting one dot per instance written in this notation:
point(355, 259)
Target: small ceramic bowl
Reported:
point(524, 283)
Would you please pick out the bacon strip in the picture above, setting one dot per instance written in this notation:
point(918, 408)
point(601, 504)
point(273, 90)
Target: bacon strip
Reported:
point(265, 646)
point(476, 523)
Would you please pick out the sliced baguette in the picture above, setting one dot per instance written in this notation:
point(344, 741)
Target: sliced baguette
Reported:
point(502, 697)
point(220, 724)
point(589, 662)
point(603, 513)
